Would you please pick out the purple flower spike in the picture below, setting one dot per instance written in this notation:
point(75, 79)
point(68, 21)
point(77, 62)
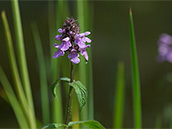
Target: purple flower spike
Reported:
point(72, 41)
point(165, 48)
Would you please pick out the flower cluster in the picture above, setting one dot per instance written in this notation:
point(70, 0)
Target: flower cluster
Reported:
point(73, 42)
point(165, 48)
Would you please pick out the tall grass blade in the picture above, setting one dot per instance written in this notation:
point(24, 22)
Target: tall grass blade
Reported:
point(57, 103)
point(42, 74)
point(119, 98)
point(15, 73)
point(13, 100)
point(82, 65)
point(90, 67)
point(22, 56)
point(135, 79)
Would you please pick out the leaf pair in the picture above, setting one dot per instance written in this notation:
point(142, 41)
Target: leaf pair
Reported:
point(91, 124)
point(80, 90)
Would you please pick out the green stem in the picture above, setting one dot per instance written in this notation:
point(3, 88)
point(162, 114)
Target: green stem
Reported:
point(68, 113)
point(22, 57)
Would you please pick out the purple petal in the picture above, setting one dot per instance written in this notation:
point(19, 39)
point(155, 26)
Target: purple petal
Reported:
point(65, 39)
point(69, 44)
point(165, 39)
point(87, 33)
point(86, 39)
point(70, 32)
point(81, 45)
point(60, 30)
point(75, 60)
point(73, 54)
point(58, 37)
point(163, 49)
point(58, 53)
point(56, 45)
point(84, 52)
point(65, 46)
point(77, 40)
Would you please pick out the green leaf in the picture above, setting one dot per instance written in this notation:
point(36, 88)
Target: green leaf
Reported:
point(56, 83)
point(135, 78)
point(81, 93)
point(92, 124)
point(119, 97)
point(53, 125)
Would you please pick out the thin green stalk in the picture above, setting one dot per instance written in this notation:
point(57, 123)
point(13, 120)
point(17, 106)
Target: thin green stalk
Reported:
point(158, 122)
point(69, 104)
point(90, 67)
point(57, 104)
point(135, 78)
point(42, 73)
point(15, 73)
point(82, 66)
point(13, 100)
point(22, 57)
point(119, 98)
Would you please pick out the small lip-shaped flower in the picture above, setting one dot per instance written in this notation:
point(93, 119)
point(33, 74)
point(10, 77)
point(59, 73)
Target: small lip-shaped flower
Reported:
point(58, 53)
point(61, 30)
point(58, 37)
point(84, 52)
point(165, 48)
point(74, 56)
point(83, 38)
point(64, 45)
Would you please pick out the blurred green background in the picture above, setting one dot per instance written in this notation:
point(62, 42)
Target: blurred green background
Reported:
point(110, 44)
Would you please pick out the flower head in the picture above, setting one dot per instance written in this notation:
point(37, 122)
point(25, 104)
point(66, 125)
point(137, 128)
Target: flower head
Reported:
point(72, 41)
point(165, 48)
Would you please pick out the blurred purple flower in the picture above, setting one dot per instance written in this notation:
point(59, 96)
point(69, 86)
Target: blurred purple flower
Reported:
point(73, 42)
point(165, 48)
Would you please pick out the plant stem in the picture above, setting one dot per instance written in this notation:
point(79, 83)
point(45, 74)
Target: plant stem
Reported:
point(68, 114)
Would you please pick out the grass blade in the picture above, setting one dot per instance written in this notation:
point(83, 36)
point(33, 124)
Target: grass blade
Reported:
point(42, 74)
point(55, 63)
point(135, 78)
point(22, 57)
point(90, 66)
point(13, 100)
point(82, 65)
point(15, 73)
point(119, 99)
